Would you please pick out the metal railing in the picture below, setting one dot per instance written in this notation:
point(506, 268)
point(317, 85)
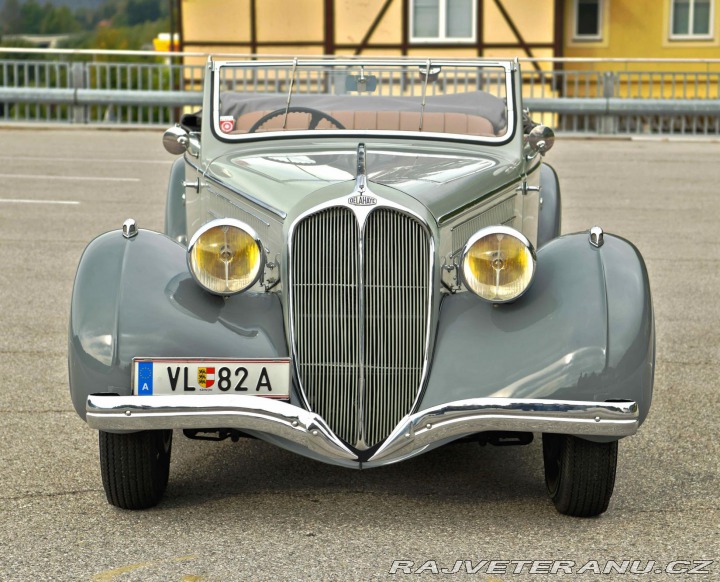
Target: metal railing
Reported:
point(588, 96)
point(626, 96)
point(96, 87)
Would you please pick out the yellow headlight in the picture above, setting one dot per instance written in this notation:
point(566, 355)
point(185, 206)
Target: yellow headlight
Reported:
point(225, 256)
point(498, 264)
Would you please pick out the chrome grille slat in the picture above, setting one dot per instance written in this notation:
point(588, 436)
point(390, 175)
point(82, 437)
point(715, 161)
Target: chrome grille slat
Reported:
point(331, 294)
point(396, 291)
point(325, 316)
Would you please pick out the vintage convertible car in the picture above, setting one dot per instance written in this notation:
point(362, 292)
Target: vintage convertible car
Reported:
point(361, 262)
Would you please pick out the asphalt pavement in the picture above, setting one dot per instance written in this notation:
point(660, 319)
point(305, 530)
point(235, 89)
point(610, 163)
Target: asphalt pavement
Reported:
point(250, 511)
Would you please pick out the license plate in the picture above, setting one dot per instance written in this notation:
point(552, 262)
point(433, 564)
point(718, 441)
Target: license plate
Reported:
point(269, 378)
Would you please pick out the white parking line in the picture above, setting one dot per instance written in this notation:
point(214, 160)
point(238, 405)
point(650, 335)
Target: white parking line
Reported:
point(83, 160)
point(76, 178)
point(20, 201)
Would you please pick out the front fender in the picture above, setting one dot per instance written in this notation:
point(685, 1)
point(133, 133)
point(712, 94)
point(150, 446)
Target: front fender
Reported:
point(135, 298)
point(583, 331)
point(550, 216)
point(175, 218)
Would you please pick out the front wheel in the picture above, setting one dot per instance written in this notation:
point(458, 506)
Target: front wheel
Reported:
point(135, 467)
point(579, 474)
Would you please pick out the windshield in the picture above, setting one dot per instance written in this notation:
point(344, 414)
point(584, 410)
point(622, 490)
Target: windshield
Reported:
point(384, 97)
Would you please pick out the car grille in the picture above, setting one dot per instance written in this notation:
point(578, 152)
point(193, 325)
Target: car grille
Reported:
point(356, 326)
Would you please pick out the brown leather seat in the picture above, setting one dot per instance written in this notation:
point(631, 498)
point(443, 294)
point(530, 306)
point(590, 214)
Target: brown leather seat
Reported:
point(384, 120)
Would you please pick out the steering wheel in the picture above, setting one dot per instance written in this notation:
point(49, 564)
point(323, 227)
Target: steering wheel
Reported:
point(315, 117)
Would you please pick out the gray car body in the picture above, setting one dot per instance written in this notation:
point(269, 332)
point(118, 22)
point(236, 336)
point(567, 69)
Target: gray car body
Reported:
point(584, 331)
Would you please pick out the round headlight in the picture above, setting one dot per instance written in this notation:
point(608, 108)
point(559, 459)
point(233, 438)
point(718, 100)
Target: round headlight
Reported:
point(225, 256)
point(498, 264)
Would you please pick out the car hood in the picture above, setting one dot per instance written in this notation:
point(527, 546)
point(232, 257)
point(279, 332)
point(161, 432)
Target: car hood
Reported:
point(443, 179)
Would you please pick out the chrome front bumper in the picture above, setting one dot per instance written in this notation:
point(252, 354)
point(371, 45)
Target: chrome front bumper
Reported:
point(307, 433)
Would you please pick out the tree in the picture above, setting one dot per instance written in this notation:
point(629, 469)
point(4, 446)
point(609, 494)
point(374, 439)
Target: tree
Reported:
point(10, 17)
point(31, 15)
point(139, 11)
point(58, 21)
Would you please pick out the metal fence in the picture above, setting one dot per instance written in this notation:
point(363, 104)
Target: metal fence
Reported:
point(627, 96)
point(586, 96)
point(96, 87)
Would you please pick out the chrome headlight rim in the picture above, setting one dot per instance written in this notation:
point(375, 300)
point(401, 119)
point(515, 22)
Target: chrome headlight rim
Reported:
point(490, 230)
point(232, 222)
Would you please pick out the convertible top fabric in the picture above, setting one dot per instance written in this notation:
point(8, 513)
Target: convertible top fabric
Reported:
point(473, 103)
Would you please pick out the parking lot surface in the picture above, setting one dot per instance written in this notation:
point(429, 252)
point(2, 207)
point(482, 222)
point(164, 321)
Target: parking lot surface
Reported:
point(250, 511)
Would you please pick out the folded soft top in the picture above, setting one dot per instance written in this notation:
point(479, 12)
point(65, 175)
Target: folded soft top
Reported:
point(470, 103)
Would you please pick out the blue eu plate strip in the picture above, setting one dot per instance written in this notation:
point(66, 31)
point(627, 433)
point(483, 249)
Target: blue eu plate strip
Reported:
point(145, 378)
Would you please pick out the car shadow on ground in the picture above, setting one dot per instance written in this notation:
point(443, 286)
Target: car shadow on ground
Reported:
point(202, 471)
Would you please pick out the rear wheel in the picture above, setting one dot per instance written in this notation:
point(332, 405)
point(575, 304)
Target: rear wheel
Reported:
point(579, 474)
point(135, 467)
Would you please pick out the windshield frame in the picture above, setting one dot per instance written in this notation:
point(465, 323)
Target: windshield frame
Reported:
point(510, 68)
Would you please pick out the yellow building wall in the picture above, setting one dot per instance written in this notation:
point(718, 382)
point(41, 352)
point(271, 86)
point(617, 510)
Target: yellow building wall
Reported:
point(228, 22)
point(533, 18)
point(353, 19)
point(214, 20)
point(280, 20)
point(284, 21)
point(640, 29)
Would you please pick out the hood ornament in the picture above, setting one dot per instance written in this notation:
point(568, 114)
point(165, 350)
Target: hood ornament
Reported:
point(362, 195)
point(361, 168)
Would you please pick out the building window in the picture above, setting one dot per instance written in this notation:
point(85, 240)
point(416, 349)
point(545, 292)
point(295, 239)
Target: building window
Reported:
point(691, 19)
point(442, 20)
point(588, 20)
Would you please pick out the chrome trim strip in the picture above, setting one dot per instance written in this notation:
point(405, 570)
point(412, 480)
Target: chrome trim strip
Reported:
point(508, 65)
point(447, 422)
point(255, 413)
point(361, 189)
point(300, 430)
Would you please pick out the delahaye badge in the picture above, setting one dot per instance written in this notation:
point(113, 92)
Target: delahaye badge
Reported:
point(362, 200)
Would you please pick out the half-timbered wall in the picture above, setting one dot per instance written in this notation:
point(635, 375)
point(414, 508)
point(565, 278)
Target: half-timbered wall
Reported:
point(369, 27)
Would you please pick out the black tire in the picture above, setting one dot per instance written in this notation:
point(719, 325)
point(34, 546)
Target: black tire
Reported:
point(135, 467)
point(579, 474)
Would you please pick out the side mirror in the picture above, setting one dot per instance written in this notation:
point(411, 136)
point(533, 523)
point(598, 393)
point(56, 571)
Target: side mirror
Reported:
point(541, 139)
point(176, 140)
